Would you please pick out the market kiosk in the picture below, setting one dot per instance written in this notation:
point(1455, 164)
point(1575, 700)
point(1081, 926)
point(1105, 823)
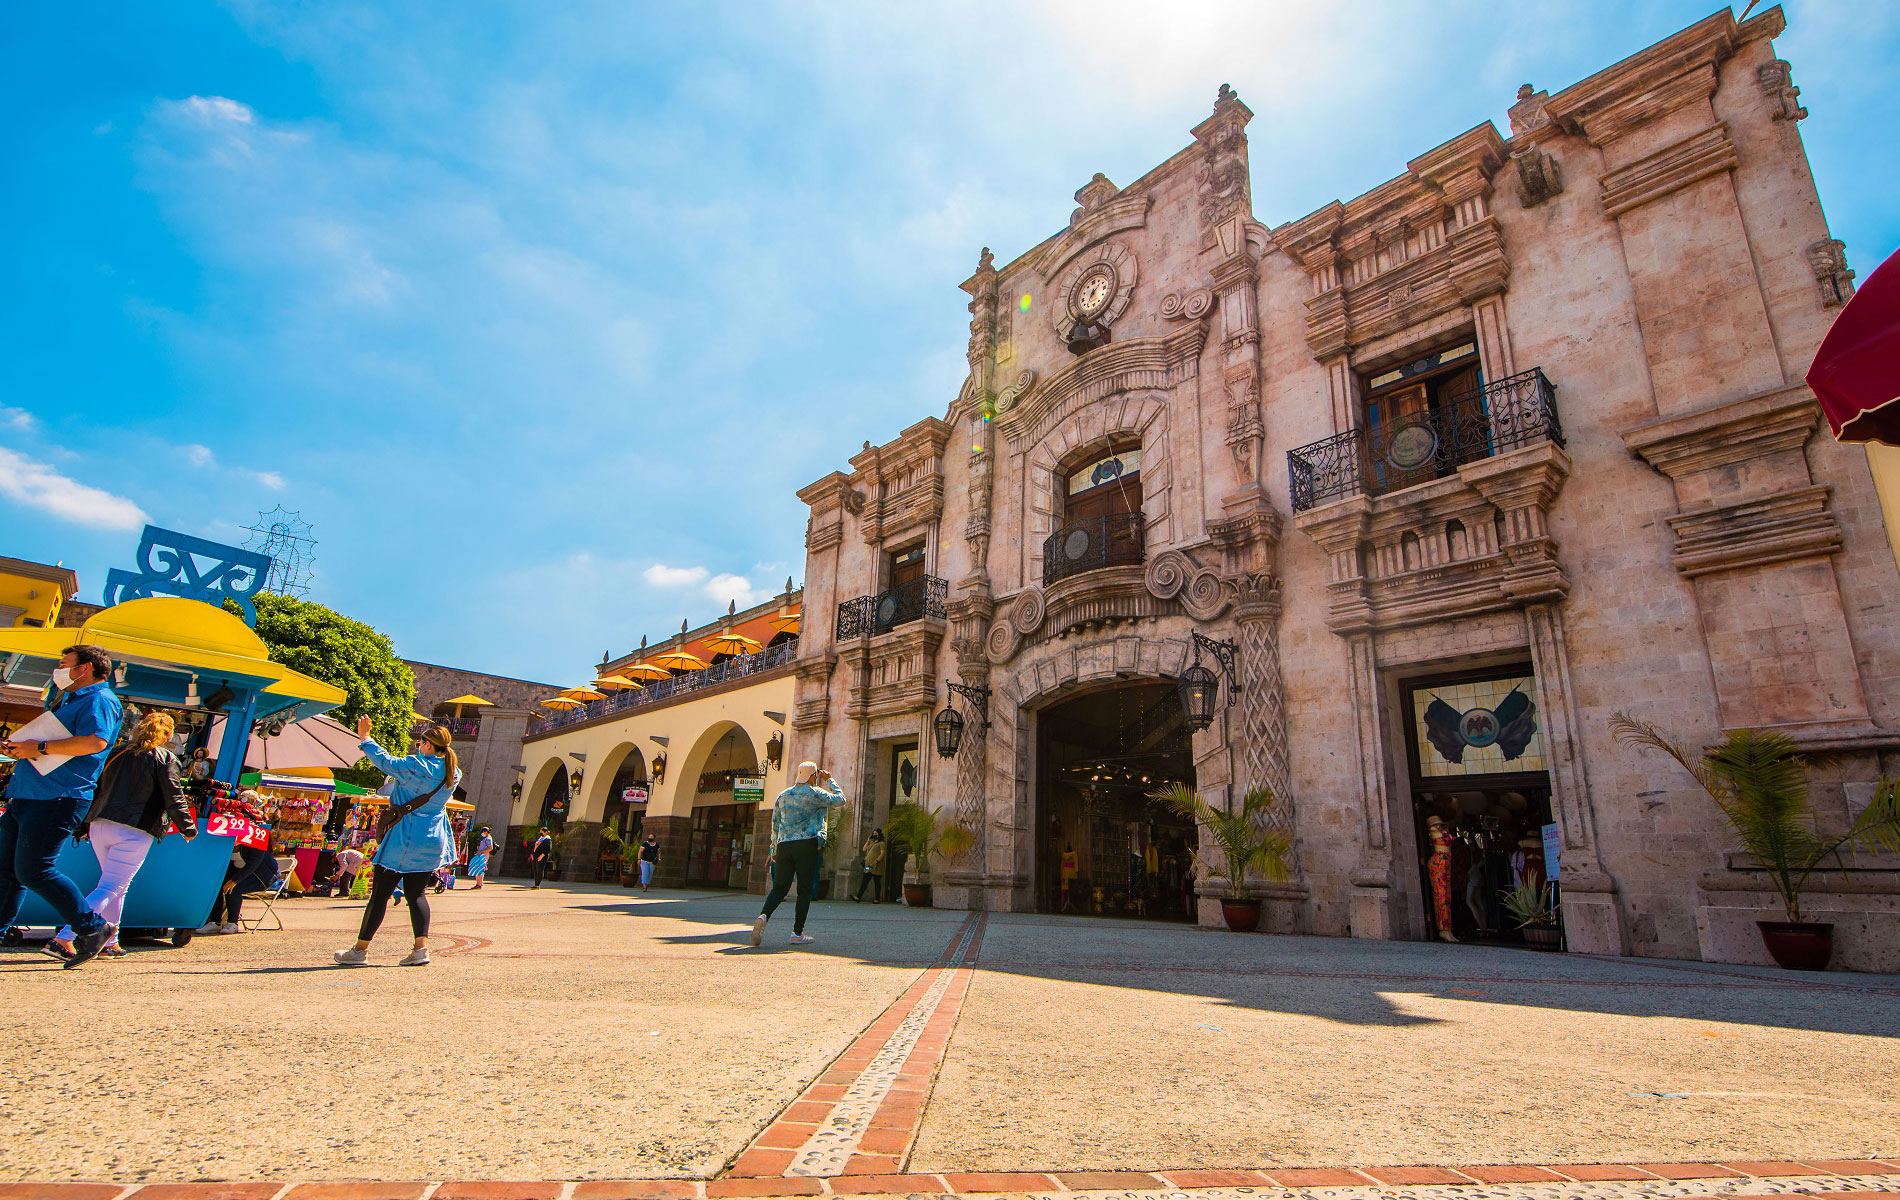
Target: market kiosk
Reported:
point(194, 661)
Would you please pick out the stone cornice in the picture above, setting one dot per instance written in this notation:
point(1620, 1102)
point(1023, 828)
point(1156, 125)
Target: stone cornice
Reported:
point(1154, 362)
point(1674, 167)
point(1088, 226)
point(1756, 532)
point(1675, 71)
point(1727, 433)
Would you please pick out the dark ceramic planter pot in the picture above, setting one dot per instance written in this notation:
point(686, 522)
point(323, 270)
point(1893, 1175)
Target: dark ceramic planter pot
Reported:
point(1542, 937)
point(1243, 916)
point(1798, 945)
point(917, 895)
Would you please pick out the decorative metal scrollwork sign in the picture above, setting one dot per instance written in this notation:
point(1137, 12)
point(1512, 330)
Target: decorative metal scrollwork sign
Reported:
point(174, 564)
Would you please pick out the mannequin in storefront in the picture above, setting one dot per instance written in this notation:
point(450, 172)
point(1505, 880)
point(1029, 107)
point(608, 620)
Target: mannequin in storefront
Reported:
point(1527, 862)
point(1438, 869)
point(1066, 872)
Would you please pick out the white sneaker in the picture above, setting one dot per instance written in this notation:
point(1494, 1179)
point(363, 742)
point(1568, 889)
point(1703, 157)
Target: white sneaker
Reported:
point(232, 927)
point(419, 957)
point(350, 958)
point(213, 927)
point(802, 939)
point(758, 928)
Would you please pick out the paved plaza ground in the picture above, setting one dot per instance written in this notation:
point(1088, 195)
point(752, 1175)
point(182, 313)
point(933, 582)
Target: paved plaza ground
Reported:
point(592, 1033)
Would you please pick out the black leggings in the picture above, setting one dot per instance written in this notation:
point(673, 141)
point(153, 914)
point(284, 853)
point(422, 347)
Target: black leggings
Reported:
point(415, 892)
point(798, 860)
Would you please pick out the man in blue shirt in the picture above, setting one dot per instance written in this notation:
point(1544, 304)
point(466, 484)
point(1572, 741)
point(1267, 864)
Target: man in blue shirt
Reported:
point(44, 810)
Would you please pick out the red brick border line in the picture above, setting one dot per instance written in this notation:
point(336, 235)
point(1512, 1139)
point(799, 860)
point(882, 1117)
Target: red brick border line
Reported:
point(970, 1183)
point(882, 1147)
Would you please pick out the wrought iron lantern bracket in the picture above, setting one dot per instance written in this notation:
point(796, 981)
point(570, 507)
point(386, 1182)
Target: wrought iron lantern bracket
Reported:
point(979, 698)
point(1224, 652)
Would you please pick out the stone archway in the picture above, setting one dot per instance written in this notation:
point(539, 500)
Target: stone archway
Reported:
point(704, 828)
point(1139, 418)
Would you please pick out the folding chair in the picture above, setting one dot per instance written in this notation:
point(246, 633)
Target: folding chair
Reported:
point(269, 898)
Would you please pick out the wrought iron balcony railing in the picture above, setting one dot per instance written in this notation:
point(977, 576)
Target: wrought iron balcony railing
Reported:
point(462, 729)
point(1114, 540)
point(678, 685)
point(1516, 411)
point(907, 602)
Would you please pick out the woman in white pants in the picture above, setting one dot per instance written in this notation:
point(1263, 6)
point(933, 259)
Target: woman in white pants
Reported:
point(136, 802)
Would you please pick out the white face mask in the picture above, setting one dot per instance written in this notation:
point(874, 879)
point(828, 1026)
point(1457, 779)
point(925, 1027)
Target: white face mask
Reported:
point(62, 678)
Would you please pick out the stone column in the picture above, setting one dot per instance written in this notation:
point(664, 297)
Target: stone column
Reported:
point(673, 834)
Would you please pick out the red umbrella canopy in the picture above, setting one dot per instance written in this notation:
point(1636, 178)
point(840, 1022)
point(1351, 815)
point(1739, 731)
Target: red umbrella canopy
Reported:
point(1856, 372)
point(311, 742)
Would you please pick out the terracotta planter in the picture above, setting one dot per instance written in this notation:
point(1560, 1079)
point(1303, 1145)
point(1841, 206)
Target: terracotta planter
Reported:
point(917, 895)
point(1798, 945)
point(1243, 916)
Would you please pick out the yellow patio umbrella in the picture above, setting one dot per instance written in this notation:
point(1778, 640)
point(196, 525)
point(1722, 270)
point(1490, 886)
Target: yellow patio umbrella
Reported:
point(786, 622)
point(470, 701)
point(679, 660)
point(733, 643)
point(614, 683)
point(560, 702)
point(646, 672)
point(583, 694)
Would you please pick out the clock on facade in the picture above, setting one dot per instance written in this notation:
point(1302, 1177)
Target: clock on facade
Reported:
point(1094, 292)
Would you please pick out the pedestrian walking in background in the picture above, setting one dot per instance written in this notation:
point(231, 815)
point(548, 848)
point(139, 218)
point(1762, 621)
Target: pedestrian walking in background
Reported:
point(538, 855)
point(798, 829)
point(417, 842)
point(478, 861)
point(874, 849)
point(137, 799)
point(649, 860)
point(43, 810)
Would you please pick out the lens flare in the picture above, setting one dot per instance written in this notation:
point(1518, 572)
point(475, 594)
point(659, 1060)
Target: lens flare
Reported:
point(1024, 302)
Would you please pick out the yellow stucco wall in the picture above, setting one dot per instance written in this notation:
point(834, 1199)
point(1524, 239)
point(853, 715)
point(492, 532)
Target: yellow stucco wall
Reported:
point(692, 729)
point(1885, 462)
point(36, 589)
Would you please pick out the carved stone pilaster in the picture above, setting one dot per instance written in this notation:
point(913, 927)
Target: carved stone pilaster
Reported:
point(1225, 188)
point(1264, 755)
point(969, 621)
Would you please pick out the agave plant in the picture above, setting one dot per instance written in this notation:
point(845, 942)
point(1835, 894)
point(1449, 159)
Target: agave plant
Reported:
point(1529, 904)
point(1241, 835)
point(1760, 782)
point(928, 832)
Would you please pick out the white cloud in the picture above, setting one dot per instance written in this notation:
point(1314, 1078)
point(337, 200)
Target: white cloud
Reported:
point(18, 419)
point(218, 108)
point(661, 575)
point(203, 458)
point(736, 589)
point(36, 485)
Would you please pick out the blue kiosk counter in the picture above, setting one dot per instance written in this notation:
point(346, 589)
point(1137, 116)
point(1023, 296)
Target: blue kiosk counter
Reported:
point(195, 661)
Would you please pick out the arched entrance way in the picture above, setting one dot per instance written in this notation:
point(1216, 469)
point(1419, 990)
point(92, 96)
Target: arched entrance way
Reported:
point(726, 796)
point(624, 811)
point(555, 800)
point(1103, 848)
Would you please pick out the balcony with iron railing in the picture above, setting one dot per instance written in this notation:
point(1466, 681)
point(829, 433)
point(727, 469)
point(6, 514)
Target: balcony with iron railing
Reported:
point(729, 671)
point(1519, 410)
point(913, 601)
point(1114, 540)
point(462, 729)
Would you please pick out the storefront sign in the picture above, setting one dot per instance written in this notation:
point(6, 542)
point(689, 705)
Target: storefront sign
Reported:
point(1486, 727)
point(748, 789)
point(248, 833)
point(634, 795)
point(1553, 851)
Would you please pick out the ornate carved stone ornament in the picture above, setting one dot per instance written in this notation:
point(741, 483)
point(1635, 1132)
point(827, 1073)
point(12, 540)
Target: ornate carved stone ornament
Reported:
point(1096, 287)
point(1777, 83)
point(1539, 177)
point(1187, 306)
point(1105, 212)
point(1018, 388)
point(1225, 193)
point(903, 481)
point(1674, 167)
point(1172, 574)
point(1831, 276)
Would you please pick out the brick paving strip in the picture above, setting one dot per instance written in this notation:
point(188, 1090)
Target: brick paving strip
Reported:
point(862, 1114)
point(1838, 1180)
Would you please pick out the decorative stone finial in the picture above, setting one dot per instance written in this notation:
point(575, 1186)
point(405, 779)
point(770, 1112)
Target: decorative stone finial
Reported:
point(1525, 91)
point(1226, 94)
point(985, 261)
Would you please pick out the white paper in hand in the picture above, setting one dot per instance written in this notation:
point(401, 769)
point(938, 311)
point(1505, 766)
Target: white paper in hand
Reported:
point(44, 728)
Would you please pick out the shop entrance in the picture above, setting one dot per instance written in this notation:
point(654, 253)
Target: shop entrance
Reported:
point(1103, 848)
point(1481, 805)
point(725, 802)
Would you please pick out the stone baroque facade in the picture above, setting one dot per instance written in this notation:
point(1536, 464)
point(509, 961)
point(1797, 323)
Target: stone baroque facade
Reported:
point(1643, 516)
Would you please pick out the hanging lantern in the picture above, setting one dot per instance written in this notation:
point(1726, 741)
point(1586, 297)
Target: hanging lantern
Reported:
point(949, 729)
point(774, 750)
point(659, 767)
point(1199, 689)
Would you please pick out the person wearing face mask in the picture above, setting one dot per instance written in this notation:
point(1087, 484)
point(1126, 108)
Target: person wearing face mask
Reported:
point(44, 810)
point(417, 842)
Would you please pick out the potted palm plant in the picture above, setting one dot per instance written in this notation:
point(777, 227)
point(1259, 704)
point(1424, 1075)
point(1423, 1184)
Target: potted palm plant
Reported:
point(1759, 781)
point(928, 833)
point(1535, 911)
point(1243, 841)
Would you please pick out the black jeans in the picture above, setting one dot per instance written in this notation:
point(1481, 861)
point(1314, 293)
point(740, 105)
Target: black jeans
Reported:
point(415, 893)
point(537, 870)
point(800, 861)
point(258, 874)
point(874, 880)
point(31, 835)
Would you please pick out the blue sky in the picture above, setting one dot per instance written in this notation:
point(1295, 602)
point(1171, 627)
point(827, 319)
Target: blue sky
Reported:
point(540, 313)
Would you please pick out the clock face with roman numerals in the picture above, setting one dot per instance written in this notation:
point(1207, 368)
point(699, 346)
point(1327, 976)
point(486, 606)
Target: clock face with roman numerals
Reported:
point(1094, 292)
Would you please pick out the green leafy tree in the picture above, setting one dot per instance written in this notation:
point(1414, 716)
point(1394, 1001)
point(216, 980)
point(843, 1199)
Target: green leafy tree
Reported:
point(324, 644)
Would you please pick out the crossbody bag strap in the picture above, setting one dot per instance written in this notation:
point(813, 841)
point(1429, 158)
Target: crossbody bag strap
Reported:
point(397, 814)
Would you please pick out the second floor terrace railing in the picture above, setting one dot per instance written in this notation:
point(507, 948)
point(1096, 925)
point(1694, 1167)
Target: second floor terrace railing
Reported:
point(907, 602)
point(1114, 540)
point(667, 689)
point(1518, 410)
point(463, 729)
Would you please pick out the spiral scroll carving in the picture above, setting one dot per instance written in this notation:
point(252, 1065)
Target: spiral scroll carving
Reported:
point(1027, 613)
point(1002, 642)
point(1206, 596)
point(1168, 572)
